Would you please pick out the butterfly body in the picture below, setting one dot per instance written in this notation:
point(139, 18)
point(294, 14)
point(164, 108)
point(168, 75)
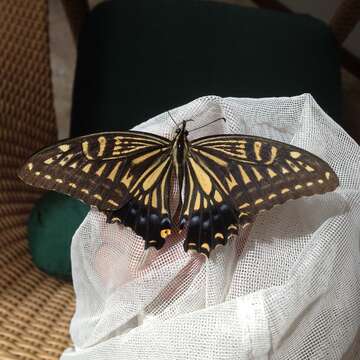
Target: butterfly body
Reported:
point(223, 180)
point(180, 152)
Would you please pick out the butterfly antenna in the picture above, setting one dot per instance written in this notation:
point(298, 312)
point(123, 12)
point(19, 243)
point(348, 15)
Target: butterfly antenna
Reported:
point(173, 119)
point(200, 127)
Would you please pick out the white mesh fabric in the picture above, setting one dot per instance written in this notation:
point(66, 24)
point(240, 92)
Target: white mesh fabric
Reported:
point(287, 288)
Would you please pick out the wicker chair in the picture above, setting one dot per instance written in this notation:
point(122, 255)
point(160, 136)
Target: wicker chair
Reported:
point(35, 309)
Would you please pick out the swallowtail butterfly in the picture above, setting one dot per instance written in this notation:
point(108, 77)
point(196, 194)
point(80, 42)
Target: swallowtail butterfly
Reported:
point(225, 180)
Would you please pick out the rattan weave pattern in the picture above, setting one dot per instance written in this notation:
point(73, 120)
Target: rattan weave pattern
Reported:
point(35, 309)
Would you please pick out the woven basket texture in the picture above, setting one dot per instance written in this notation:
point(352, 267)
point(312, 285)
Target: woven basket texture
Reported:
point(35, 309)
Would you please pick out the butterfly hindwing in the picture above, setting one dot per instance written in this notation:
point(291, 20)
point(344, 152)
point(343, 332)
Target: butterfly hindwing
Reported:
point(247, 174)
point(148, 211)
point(207, 211)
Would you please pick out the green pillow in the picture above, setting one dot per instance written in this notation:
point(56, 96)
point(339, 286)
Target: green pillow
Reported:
point(52, 224)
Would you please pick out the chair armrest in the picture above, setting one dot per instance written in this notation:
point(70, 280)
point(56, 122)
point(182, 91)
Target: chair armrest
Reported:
point(35, 310)
point(27, 116)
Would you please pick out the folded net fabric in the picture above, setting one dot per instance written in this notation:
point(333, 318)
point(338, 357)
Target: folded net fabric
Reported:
point(287, 288)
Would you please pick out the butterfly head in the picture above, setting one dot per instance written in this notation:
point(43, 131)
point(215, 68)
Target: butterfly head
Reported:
point(181, 132)
point(180, 146)
point(182, 129)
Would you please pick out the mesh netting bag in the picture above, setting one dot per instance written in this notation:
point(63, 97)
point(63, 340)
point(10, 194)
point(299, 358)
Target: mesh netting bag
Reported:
point(288, 287)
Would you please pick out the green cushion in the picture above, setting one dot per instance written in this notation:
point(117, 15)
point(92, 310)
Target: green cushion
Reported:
point(139, 58)
point(51, 226)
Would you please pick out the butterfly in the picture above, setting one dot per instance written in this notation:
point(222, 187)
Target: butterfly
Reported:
point(223, 180)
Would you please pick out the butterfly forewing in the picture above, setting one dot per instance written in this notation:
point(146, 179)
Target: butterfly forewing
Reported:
point(98, 169)
point(247, 175)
